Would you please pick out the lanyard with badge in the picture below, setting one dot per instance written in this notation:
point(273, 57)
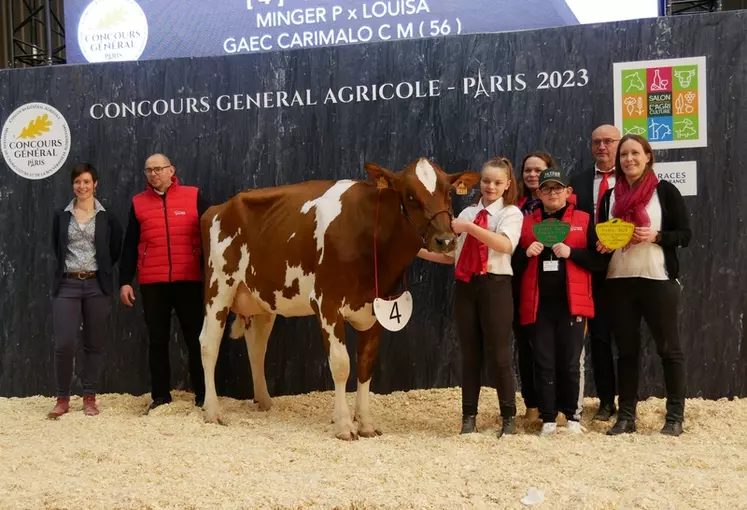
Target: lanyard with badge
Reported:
point(551, 232)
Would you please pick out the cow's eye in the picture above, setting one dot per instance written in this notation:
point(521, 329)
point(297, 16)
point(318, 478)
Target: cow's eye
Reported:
point(410, 197)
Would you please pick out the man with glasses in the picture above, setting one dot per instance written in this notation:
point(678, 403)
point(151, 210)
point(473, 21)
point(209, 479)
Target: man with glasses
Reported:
point(589, 186)
point(162, 244)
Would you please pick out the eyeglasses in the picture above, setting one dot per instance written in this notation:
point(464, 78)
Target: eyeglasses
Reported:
point(604, 141)
point(158, 170)
point(554, 190)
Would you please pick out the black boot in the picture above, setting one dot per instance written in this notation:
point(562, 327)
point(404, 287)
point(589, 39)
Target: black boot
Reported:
point(605, 411)
point(508, 427)
point(622, 426)
point(672, 428)
point(158, 402)
point(469, 424)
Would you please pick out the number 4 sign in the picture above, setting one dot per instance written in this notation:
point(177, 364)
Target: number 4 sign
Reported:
point(394, 315)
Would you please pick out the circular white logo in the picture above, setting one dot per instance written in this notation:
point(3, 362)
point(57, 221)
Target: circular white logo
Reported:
point(112, 31)
point(35, 141)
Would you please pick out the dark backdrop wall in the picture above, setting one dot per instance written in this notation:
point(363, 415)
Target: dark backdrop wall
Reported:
point(227, 151)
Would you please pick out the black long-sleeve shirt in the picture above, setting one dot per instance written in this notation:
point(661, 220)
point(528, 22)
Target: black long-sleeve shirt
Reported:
point(128, 262)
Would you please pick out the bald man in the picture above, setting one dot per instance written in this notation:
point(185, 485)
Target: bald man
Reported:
point(589, 187)
point(162, 245)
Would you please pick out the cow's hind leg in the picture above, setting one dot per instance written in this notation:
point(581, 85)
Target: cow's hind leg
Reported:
point(368, 350)
point(256, 336)
point(210, 340)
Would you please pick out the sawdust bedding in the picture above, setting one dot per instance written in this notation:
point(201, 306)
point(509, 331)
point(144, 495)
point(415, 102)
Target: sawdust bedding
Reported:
point(288, 457)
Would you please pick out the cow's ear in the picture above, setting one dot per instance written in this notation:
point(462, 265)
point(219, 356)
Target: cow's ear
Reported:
point(464, 181)
point(381, 176)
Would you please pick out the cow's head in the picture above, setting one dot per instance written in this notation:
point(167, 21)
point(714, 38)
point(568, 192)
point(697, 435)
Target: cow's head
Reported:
point(425, 191)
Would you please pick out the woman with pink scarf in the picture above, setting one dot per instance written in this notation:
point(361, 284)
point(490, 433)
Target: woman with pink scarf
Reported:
point(643, 278)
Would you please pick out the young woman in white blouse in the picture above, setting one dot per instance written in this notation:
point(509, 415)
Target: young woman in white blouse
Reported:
point(489, 232)
point(642, 278)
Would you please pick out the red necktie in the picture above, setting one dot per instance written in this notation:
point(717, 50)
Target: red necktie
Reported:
point(473, 258)
point(603, 187)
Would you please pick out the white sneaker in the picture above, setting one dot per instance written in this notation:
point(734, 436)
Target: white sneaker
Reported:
point(574, 427)
point(548, 429)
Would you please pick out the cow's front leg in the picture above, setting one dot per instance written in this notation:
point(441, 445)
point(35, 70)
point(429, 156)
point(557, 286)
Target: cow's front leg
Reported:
point(333, 332)
point(368, 350)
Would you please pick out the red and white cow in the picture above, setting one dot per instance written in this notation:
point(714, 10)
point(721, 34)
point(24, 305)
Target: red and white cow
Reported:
point(307, 249)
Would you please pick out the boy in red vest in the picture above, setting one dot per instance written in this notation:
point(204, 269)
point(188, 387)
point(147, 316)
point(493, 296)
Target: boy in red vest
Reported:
point(163, 243)
point(556, 300)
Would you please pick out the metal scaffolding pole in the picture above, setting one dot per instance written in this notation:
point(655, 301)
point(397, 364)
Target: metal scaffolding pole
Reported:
point(676, 7)
point(36, 36)
point(11, 25)
point(48, 31)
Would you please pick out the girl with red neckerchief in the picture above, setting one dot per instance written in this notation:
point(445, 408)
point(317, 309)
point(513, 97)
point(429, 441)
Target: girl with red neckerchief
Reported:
point(489, 232)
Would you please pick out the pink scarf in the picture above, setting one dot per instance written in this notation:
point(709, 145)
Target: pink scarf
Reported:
point(630, 202)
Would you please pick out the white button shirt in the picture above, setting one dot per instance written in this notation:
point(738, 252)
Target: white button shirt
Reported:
point(503, 220)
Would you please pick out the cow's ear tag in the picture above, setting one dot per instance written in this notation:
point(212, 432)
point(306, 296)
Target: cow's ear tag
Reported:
point(461, 188)
point(381, 183)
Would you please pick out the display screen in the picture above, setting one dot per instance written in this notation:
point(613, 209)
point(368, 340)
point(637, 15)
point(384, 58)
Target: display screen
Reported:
point(120, 30)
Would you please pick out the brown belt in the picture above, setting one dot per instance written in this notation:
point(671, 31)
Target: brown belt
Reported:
point(82, 275)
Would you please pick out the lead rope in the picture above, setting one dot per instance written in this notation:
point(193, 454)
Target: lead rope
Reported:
point(376, 259)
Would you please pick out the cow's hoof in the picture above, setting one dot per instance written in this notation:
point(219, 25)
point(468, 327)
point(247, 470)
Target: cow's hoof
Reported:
point(347, 436)
point(212, 417)
point(264, 405)
point(369, 432)
point(345, 430)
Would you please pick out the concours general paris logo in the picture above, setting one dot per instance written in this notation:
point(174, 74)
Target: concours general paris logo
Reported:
point(35, 141)
point(112, 31)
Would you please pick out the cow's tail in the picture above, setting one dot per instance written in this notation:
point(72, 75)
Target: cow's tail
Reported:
point(206, 221)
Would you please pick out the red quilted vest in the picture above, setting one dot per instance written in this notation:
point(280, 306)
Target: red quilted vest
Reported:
point(580, 299)
point(169, 248)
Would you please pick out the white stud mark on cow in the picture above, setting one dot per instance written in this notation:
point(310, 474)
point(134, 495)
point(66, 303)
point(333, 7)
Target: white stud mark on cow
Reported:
point(427, 175)
point(327, 207)
point(311, 251)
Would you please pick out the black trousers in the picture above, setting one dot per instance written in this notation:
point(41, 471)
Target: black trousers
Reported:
point(483, 309)
point(186, 299)
point(557, 340)
point(79, 301)
point(656, 301)
point(526, 363)
point(600, 333)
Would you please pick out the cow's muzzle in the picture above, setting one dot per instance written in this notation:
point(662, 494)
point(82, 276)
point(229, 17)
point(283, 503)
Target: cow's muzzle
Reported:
point(444, 243)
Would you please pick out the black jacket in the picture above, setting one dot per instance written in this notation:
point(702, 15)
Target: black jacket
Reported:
point(583, 187)
point(107, 240)
point(675, 223)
